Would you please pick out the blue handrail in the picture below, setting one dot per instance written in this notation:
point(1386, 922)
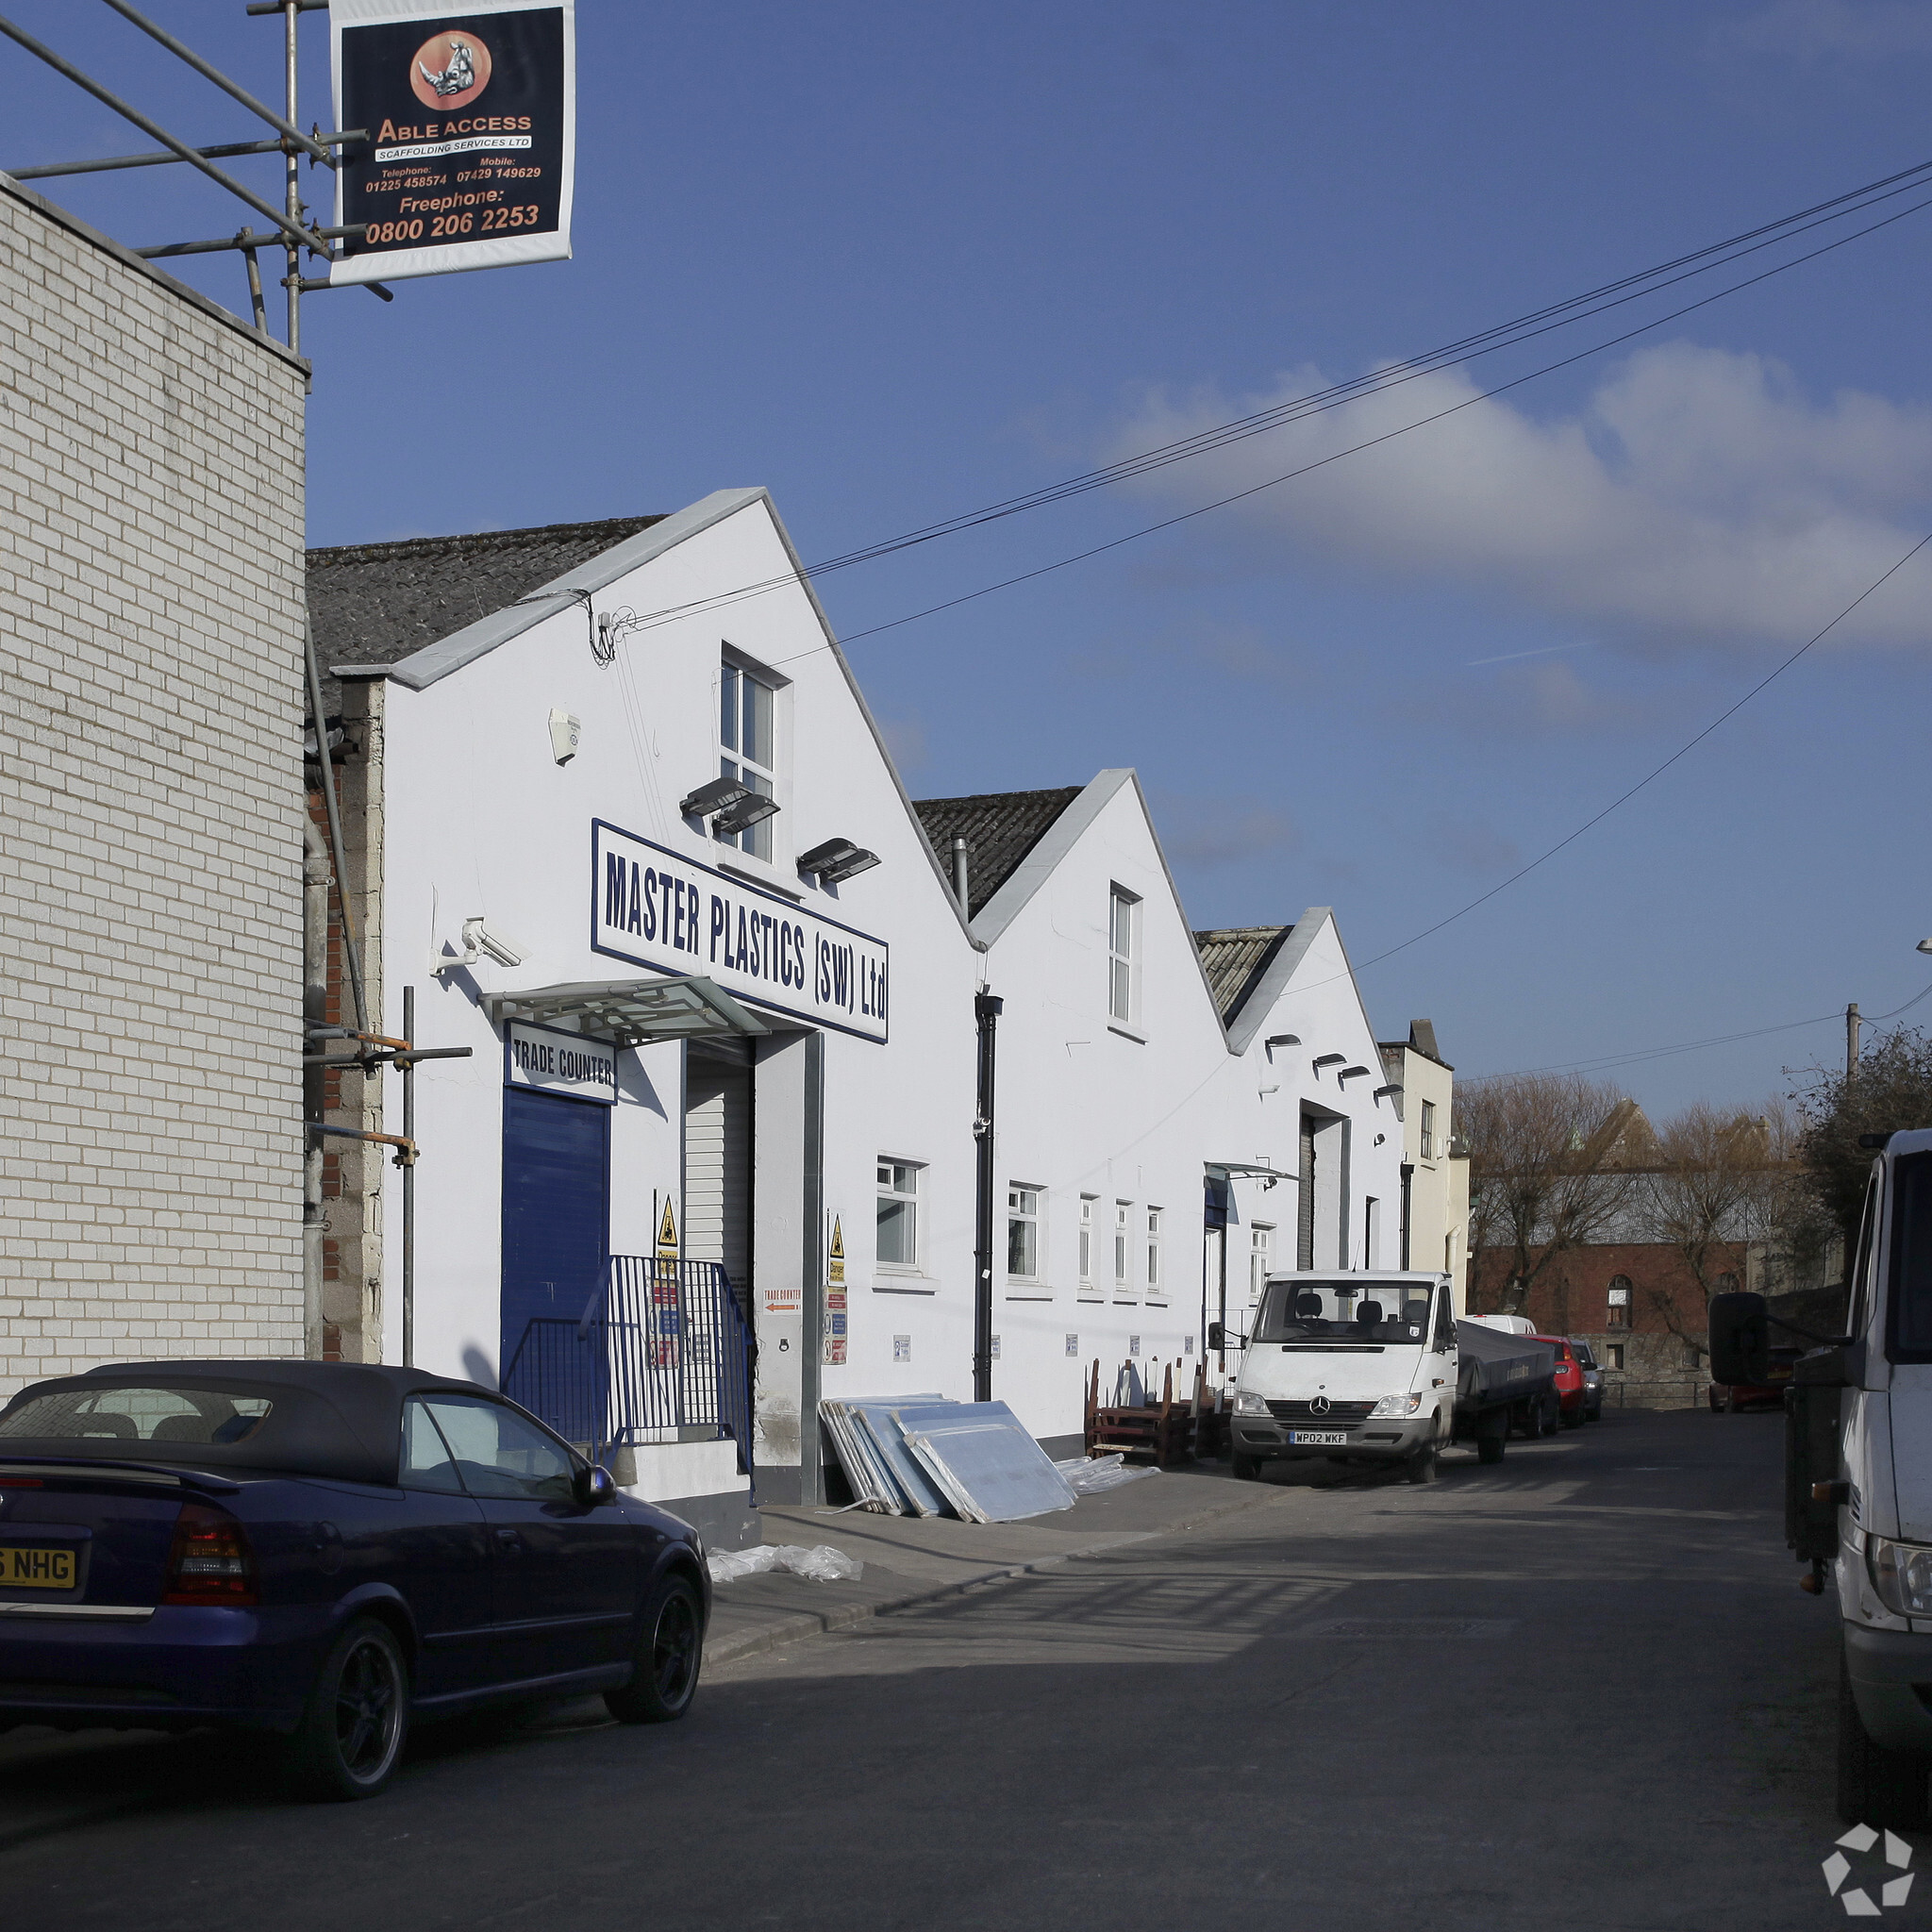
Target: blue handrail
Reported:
point(661, 1345)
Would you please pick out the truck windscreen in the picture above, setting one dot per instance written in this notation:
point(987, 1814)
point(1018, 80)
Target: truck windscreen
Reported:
point(1383, 1312)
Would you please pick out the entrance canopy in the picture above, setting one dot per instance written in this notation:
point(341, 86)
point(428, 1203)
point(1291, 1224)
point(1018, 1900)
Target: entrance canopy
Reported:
point(630, 1013)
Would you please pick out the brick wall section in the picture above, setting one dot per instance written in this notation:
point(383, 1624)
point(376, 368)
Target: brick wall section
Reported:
point(151, 456)
point(1570, 1296)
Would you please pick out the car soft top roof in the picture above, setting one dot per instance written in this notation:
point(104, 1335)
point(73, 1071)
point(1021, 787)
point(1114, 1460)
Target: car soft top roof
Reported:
point(329, 1419)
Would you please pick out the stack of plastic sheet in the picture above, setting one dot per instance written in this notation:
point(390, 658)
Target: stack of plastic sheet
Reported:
point(883, 1473)
point(982, 1460)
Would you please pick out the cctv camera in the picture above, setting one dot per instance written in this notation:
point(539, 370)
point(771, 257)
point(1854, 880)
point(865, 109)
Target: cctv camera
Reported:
point(477, 938)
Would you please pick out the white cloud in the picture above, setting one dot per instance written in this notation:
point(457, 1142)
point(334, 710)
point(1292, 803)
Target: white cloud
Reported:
point(1700, 493)
point(1810, 28)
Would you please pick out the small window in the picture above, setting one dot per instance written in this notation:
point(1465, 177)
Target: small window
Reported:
point(500, 1454)
point(1122, 1245)
point(746, 728)
point(1087, 1202)
point(1023, 1234)
point(898, 1239)
point(1428, 1132)
point(1260, 1257)
point(1615, 1351)
point(1124, 928)
point(1617, 1314)
point(1155, 1277)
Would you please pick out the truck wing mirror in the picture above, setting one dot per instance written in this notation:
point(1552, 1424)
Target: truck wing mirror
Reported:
point(1740, 1339)
point(1218, 1337)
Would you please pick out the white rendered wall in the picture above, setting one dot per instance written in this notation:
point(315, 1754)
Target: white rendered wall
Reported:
point(480, 820)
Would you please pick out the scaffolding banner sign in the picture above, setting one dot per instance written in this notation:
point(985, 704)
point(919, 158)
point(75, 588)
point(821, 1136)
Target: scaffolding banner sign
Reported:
point(472, 122)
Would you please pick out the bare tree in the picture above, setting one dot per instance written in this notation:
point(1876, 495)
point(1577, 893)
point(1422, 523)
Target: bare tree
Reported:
point(1707, 1198)
point(1549, 1160)
point(1724, 1187)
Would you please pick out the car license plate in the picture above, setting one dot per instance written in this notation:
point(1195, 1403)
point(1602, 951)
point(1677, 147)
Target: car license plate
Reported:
point(29, 1568)
point(1319, 1439)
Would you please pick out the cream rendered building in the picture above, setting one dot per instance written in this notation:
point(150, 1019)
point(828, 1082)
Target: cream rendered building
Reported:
point(1435, 1176)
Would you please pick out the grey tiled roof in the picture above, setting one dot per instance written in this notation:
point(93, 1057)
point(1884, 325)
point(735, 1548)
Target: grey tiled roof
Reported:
point(1000, 828)
point(376, 603)
point(1234, 958)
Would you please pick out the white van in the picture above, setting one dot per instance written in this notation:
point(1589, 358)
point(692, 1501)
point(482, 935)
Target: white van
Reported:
point(1359, 1367)
point(1859, 1481)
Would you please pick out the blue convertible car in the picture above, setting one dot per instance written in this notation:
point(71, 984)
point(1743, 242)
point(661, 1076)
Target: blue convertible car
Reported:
point(320, 1551)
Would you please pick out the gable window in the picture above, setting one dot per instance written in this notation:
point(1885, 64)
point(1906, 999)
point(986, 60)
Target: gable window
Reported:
point(1087, 1202)
point(747, 752)
point(1428, 1133)
point(1124, 944)
point(1154, 1274)
point(1023, 1233)
point(898, 1227)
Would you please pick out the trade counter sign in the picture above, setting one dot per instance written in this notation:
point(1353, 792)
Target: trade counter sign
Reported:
point(651, 908)
point(471, 123)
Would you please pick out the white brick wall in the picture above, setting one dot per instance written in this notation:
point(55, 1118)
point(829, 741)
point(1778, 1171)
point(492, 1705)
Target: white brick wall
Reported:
point(151, 521)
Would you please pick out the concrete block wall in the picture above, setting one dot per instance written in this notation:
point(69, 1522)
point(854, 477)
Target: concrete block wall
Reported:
point(151, 585)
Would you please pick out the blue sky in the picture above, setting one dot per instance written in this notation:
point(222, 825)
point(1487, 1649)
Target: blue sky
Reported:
point(898, 263)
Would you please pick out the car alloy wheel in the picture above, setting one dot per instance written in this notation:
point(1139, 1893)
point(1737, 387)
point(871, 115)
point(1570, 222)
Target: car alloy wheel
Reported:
point(350, 1740)
point(666, 1659)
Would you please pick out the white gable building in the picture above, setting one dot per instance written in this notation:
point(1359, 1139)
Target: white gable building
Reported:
point(629, 834)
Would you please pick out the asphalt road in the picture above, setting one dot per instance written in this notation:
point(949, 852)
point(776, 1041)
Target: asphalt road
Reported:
point(1578, 1689)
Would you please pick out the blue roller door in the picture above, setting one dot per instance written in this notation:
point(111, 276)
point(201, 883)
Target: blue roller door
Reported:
point(555, 1208)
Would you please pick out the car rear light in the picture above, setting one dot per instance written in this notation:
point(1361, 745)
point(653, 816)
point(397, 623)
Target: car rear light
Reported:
point(210, 1562)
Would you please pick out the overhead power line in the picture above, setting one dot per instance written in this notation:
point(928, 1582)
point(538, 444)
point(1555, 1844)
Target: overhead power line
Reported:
point(1390, 376)
point(1656, 772)
point(1606, 1062)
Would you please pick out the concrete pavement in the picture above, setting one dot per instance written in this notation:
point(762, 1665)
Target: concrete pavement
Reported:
point(1579, 1686)
point(911, 1560)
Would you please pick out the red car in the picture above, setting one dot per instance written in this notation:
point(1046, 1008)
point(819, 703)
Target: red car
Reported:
point(1768, 1393)
point(1568, 1379)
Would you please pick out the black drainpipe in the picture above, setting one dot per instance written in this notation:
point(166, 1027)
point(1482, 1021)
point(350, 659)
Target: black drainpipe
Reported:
point(987, 1011)
point(1407, 1182)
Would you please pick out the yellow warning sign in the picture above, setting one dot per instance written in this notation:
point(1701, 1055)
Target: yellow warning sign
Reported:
point(666, 1234)
point(833, 1351)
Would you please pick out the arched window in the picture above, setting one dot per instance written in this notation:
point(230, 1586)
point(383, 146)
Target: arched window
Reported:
point(1619, 1311)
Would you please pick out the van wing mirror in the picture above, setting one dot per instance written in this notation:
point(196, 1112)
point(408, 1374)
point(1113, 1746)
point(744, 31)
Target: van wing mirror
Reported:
point(1220, 1337)
point(1740, 1339)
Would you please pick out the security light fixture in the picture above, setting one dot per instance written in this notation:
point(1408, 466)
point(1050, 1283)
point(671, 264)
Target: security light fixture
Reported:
point(753, 808)
point(1925, 945)
point(835, 859)
point(713, 797)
